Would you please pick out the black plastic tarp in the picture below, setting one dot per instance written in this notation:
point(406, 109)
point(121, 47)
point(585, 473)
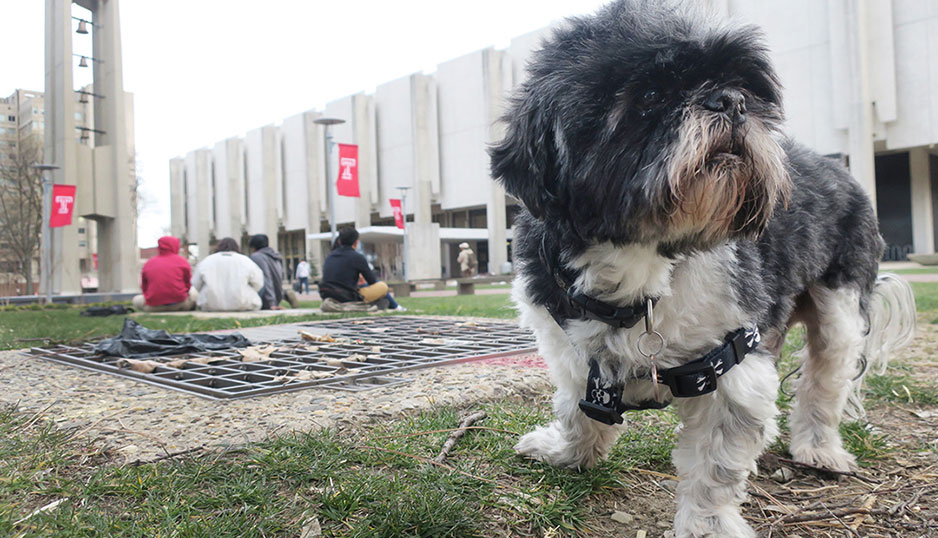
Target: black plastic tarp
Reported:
point(136, 341)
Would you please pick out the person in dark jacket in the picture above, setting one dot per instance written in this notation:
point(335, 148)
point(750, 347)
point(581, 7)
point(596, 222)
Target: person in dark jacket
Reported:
point(271, 265)
point(342, 269)
point(166, 280)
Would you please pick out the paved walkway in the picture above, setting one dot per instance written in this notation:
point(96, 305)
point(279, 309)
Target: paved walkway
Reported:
point(142, 421)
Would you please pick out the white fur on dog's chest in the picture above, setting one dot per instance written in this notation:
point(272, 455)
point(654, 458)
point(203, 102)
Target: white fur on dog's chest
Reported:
point(696, 309)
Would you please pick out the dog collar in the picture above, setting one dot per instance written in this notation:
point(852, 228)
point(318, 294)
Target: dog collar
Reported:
point(603, 400)
point(577, 305)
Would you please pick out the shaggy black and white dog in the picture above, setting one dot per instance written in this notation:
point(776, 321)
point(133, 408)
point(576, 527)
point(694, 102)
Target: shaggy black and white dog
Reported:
point(645, 147)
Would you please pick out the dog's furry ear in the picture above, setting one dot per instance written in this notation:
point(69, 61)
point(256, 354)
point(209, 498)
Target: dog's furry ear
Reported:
point(525, 161)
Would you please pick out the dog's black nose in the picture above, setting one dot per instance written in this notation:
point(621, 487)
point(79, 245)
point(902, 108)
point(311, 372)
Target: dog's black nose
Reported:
point(728, 101)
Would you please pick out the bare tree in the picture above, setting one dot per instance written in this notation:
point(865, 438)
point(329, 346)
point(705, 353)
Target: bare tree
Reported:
point(21, 209)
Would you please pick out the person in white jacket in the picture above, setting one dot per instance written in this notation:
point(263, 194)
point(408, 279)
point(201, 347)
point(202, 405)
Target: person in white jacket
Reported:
point(227, 280)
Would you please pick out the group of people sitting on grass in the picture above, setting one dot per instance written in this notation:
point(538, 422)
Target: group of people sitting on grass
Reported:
point(228, 281)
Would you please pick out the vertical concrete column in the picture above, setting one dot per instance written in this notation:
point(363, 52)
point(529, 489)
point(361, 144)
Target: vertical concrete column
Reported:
point(177, 196)
point(314, 156)
point(229, 188)
point(60, 142)
point(365, 136)
point(117, 234)
point(423, 234)
point(497, 81)
point(923, 220)
point(263, 184)
point(860, 118)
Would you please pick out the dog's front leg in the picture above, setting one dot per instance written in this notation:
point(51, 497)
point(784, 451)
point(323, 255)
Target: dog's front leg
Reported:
point(572, 440)
point(723, 434)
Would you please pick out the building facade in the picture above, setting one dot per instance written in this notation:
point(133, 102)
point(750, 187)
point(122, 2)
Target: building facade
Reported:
point(22, 122)
point(861, 85)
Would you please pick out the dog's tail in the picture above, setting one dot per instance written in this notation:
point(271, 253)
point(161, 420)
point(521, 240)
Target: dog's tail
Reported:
point(891, 327)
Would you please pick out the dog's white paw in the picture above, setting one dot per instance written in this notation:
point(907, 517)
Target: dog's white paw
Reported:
point(834, 458)
point(728, 524)
point(547, 444)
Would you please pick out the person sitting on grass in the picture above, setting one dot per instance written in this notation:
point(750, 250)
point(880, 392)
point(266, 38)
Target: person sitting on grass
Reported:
point(166, 280)
point(340, 273)
point(228, 281)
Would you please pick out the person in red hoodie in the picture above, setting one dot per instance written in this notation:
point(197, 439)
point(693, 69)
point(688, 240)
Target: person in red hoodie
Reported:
point(166, 280)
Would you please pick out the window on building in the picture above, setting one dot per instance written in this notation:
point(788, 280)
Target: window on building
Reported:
point(11, 118)
point(81, 230)
point(82, 243)
point(78, 116)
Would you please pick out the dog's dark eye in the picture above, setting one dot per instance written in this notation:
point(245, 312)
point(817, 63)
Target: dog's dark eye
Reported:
point(650, 97)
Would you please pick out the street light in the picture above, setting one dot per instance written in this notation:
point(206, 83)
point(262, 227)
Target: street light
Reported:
point(46, 230)
point(326, 122)
point(404, 218)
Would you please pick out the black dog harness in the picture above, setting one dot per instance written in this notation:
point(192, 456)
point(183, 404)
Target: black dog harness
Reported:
point(603, 401)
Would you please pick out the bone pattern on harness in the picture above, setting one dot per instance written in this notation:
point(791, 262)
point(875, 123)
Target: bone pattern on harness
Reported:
point(603, 400)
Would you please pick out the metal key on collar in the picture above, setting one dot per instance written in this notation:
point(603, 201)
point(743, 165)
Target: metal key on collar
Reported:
point(650, 343)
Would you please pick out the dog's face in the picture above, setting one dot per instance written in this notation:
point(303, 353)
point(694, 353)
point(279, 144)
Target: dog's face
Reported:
point(636, 124)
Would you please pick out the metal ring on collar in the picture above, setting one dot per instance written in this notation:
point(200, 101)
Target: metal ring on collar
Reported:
point(643, 343)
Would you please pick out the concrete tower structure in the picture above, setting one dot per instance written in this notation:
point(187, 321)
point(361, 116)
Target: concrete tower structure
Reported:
point(104, 173)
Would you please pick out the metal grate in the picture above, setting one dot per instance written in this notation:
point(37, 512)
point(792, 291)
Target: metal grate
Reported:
point(363, 353)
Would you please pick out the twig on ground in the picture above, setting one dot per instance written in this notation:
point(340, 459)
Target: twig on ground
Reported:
point(138, 463)
point(93, 424)
point(438, 464)
point(35, 417)
point(799, 465)
point(860, 518)
point(447, 430)
point(820, 516)
point(459, 432)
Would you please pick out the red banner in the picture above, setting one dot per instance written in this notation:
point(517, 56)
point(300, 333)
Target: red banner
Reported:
point(398, 212)
point(63, 202)
point(347, 184)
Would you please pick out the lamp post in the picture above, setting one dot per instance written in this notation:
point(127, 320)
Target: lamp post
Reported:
point(326, 122)
point(46, 230)
point(404, 218)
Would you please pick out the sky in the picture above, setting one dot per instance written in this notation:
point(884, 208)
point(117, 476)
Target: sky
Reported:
point(205, 70)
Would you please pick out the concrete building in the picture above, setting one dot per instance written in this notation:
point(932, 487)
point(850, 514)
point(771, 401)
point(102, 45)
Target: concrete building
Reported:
point(861, 84)
point(22, 121)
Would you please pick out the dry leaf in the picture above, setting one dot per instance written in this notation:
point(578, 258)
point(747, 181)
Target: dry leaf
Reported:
point(376, 349)
point(334, 362)
point(302, 375)
point(317, 338)
point(311, 529)
point(433, 341)
point(144, 367)
point(467, 324)
point(356, 358)
point(179, 363)
point(257, 353)
point(380, 329)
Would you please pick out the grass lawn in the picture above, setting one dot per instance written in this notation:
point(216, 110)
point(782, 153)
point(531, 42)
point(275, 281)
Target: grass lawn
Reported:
point(370, 482)
point(28, 326)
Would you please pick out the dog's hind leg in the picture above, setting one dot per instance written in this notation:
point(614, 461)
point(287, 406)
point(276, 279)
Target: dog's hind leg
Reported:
point(835, 328)
point(572, 440)
point(722, 436)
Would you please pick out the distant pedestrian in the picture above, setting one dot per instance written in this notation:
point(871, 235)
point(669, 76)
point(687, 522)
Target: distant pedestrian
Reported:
point(166, 280)
point(228, 281)
point(302, 274)
point(467, 260)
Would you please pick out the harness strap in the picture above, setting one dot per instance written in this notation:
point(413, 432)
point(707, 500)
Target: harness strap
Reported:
point(583, 306)
point(603, 401)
